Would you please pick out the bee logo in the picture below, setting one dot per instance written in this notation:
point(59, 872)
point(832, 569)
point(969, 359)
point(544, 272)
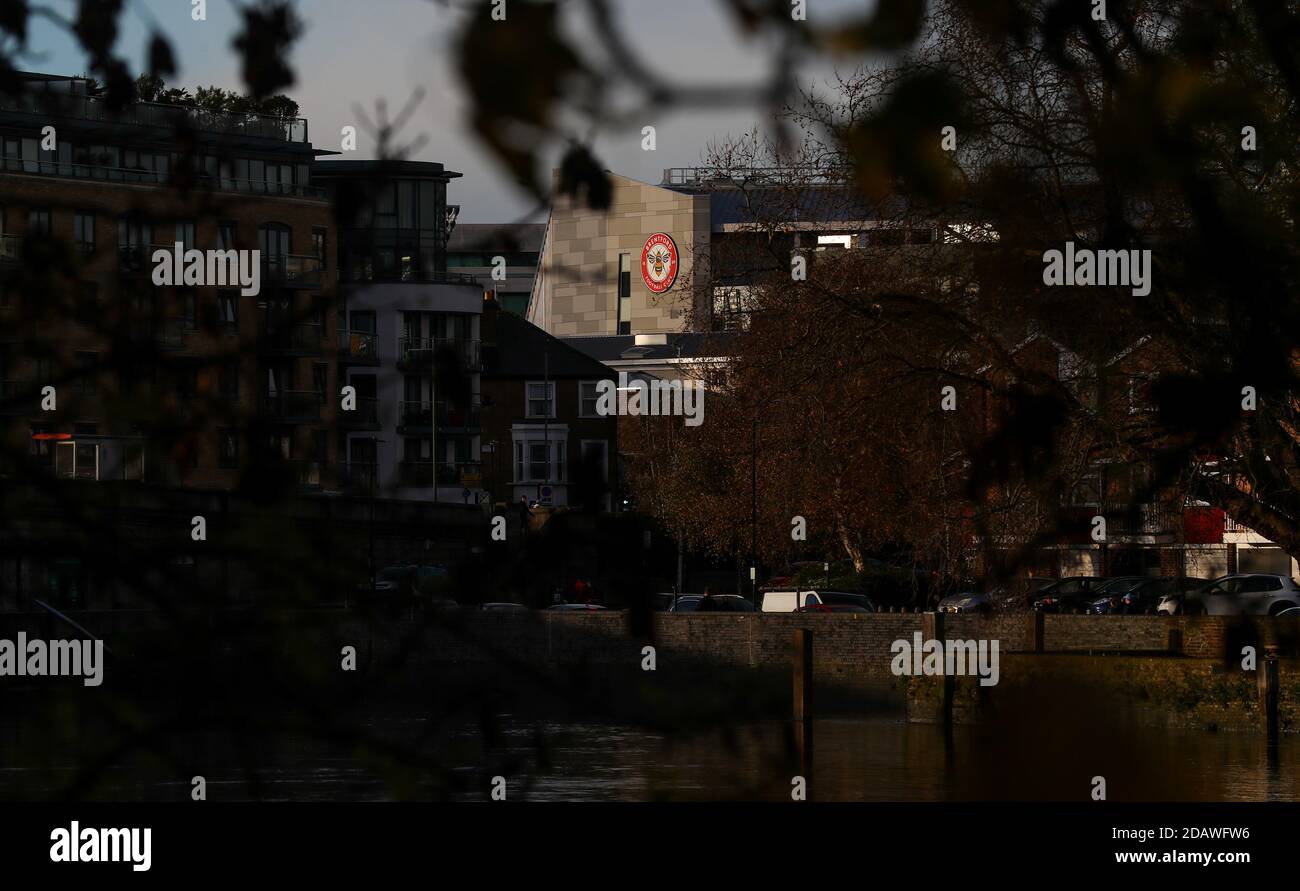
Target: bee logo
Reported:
point(659, 262)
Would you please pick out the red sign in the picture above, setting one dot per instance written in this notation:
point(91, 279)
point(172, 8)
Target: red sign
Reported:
point(659, 262)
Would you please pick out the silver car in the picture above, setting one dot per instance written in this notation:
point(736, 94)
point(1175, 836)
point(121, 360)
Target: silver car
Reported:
point(1243, 594)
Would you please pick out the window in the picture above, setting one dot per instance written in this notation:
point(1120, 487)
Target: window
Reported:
point(273, 240)
point(228, 311)
point(228, 447)
point(226, 236)
point(83, 231)
point(536, 461)
point(185, 234)
point(541, 399)
point(624, 294)
point(320, 379)
point(318, 245)
point(588, 399)
point(38, 221)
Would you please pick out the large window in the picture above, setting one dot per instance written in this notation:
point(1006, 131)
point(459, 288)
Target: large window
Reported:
point(273, 240)
point(540, 399)
point(537, 461)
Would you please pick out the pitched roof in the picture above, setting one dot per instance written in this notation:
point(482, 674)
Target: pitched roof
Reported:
point(522, 350)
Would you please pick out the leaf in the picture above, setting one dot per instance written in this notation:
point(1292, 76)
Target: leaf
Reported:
point(13, 18)
point(583, 177)
point(269, 31)
point(894, 25)
point(517, 75)
point(161, 62)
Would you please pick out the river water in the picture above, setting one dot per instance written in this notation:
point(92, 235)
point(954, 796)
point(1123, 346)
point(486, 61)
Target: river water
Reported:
point(877, 758)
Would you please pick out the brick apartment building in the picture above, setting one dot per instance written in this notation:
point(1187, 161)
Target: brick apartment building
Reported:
point(543, 439)
point(180, 384)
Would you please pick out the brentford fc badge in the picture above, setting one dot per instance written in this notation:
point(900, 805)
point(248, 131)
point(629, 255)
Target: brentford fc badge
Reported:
point(659, 262)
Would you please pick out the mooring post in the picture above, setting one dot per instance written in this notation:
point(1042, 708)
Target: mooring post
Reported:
point(932, 629)
point(803, 701)
point(1268, 687)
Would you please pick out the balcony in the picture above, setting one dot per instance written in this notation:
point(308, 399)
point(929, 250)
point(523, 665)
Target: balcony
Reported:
point(296, 339)
point(357, 477)
point(140, 176)
point(309, 473)
point(459, 473)
point(17, 398)
point(358, 347)
point(293, 406)
point(451, 417)
point(422, 352)
point(415, 474)
point(415, 417)
point(292, 271)
point(136, 260)
point(46, 103)
point(364, 417)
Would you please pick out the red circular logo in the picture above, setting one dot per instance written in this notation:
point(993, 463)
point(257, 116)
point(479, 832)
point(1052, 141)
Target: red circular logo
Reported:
point(659, 262)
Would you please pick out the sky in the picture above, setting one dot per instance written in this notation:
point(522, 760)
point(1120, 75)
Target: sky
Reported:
point(355, 52)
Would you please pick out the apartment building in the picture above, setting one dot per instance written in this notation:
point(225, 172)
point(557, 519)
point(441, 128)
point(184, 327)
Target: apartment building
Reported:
point(502, 258)
point(199, 381)
point(409, 335)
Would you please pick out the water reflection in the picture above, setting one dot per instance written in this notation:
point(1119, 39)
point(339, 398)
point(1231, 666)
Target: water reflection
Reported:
point(857, 759)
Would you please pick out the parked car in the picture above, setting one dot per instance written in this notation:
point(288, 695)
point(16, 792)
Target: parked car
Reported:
point(1145, 597)
point(1018, 594)
point(719, 603)
point(1108, 596)
point(1239, 594)
point(789, 600)
point(574, 607)
point(404, 579)
point(504, 607)
point(1068, 594)
point(968, 602)
point(663, 603)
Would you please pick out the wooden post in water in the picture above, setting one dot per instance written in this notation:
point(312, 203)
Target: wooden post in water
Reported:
point(803, 702)
point(1268, 687)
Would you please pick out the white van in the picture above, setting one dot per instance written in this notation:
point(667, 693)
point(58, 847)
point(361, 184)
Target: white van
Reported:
point(790, 600)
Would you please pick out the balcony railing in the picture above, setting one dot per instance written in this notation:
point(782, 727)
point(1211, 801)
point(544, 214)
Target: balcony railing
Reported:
point(358, 477)
point(300, 337)
point(46, 102)
point(137, 259)
point(421, 351)
point(415, 474)
point(302, 406)
point(448, 415)
point(138, 175)
point(416, 414)
point(292, 270)
point(364, 417)
point(361, 347)
point(454, 473)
